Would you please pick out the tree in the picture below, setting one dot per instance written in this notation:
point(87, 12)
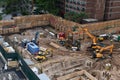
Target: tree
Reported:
point(47, 5)
point(11, 5)
point(2, 3)
point(69, 15)
point(0, 17)
point(76, 17)
point(14, 6)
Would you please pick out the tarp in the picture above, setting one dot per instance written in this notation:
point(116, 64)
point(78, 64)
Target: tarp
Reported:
point(43, 76)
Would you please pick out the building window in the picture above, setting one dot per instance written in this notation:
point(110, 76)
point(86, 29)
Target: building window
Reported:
point(74, 8)
point(78, 8)
point(74, 1)
point(67, 10)
point(110, 10)
point(83, 9)
point(67, 0)
point(111, 3)
point(110, 15)
point(70, 1)
point(82, 2)
point(78, 3)
point(66, 5)
point(70, 6)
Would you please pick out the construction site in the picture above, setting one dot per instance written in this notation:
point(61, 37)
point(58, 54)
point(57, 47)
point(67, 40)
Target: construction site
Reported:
point(62, 49)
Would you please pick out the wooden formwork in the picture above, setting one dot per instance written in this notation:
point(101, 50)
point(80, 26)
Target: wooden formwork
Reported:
point(5, 31)
point(17, 20)
point(33, 24)
point(75, 74)
point(28, 25)
point(11, 30)
point(16, 29)
point(6, 23)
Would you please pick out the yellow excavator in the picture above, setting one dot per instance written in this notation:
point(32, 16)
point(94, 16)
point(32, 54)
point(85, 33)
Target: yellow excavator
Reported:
point(94, 39)
point(94, 44)
point(96, 47)
point(99, 54)
point(40, 57)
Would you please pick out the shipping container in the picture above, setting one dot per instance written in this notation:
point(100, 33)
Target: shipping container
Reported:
point(32, 48)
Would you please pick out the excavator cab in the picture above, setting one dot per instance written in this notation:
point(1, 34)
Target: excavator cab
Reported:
point(98, 55)
point(92, 47)
point(100, 39)
point(40, 58)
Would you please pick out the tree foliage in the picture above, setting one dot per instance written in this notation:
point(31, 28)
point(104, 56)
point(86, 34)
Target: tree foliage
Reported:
point(47, 5)
point(12, 6)
point(0, 17)
point(2, 3)
point(76, 17)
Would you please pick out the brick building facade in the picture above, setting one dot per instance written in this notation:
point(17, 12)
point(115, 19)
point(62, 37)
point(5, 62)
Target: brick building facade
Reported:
point(98, 9)
point(112, 10)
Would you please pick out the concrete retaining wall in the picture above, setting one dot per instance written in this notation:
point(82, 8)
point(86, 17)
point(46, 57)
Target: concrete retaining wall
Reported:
point(6, 23)
point(31, 21)
point(60, 24)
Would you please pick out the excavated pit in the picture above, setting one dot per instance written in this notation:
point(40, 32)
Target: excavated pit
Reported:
point(66, 62)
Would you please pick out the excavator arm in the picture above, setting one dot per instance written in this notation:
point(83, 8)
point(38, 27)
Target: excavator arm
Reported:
point(106, 48)
point(94, 39)
point(99, 54)
point(96, 47)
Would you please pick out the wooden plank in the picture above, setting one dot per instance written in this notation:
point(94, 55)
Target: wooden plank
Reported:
point(70, 75)
point(75, 74)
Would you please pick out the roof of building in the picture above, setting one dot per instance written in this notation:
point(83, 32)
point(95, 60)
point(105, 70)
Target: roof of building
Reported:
point(43, 76)
point(90, 20)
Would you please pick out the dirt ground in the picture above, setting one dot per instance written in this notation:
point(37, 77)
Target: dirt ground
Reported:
point(68, 55)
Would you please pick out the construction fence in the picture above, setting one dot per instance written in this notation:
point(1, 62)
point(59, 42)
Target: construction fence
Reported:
point(60, 24)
